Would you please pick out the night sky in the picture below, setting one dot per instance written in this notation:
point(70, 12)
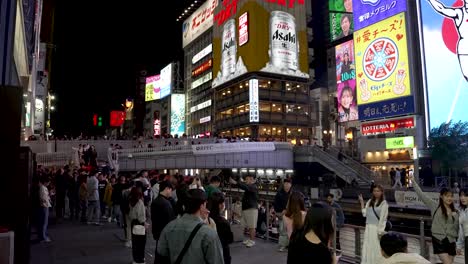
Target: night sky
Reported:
point(99, 46)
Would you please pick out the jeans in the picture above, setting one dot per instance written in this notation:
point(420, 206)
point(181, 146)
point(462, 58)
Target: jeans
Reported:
point(102, 206)
point(118, 214)
point(84, 210)
point(43, 223)
point(94, 211)
point(283, 240)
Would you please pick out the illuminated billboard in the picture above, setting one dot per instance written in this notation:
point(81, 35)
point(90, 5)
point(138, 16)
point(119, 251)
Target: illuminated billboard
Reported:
point(341, 5)
point(446, 61)
point(345, 66)
point(386, 126)
point(341, 25)
point(275, 41)
point(177, 114)
point(199, 22)
point(381, 53)
point(152, 88)
point(165, 81)
point(368, 12)
point(117, 118)
point(347, 105)
point(399, 142)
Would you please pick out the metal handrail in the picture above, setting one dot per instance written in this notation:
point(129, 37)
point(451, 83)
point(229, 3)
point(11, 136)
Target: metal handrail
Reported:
point(358, 167)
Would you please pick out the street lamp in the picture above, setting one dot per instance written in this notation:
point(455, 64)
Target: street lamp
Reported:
point(52, 97)
point(52, 108)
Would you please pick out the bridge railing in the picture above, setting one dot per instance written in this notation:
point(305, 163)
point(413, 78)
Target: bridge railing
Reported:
point(55, 159)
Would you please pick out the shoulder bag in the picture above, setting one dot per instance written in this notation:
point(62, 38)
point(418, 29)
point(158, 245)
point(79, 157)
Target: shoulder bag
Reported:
point(188, 243)
point(388, 224)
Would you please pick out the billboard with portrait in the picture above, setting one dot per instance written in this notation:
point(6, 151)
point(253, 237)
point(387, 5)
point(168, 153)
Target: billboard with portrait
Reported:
point(347, 105)
point(345, 66)
point(165, 81)
point(446, 60)
point(177, 114)
point(368, 12)
point(277, 39)
point(340, 5)
point(381, 53)
point(152, 88)
point(341, 25)
point(199, 22)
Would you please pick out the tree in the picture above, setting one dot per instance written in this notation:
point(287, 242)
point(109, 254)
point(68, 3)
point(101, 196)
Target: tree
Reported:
point(449, 145)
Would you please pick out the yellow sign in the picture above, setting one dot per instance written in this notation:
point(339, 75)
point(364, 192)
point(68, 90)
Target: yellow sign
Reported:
point(382, 70)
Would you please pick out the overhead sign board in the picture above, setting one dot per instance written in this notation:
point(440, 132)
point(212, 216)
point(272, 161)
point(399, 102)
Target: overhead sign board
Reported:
point(202, 68)
point(387, 126)
point(199, 22)
point(204, 52)
point(399, 142)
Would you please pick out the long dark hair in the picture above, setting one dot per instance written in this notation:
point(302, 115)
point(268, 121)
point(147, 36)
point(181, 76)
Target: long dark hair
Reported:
point(135, 196)
point(465, 193)
point(215, 200)
point(373, 199)
point(319, 220)
point(294, 209)
point(445, 191)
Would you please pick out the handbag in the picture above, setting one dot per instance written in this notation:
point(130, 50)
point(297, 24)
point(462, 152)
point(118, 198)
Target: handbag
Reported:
point(388, 224)
point(188, 243)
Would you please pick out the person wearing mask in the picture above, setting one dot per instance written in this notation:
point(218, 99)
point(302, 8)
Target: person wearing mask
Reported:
point(279, 204)
point(462, 244)
point(249, 207)
point(94, 209)
point(340, 218)
point(216, 206)
point(117, 199)
point(376, 212)
point(137, 217)
point(395, 250)
point(213, 187)
point(201, 243)
point(162, 212)
point(295, 213)
point(444, 223)
point(45, 204)
point(311, 243)
point(102, 191)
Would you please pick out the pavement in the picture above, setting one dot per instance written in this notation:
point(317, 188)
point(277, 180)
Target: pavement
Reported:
point(75, 243)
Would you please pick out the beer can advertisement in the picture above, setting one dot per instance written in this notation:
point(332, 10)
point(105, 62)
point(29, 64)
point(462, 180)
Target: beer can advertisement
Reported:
point(277, 39)
point(446, 60)
point(152, 88)
point(341, 5)
point(382, 70)
point(368, 12)
point(347, 105)
point(345, 67)
point(178, 114)
point(341, 25)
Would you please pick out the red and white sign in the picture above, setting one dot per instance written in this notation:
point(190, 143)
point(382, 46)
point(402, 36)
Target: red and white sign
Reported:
point(117, 118)
point(387, 126)
point(243, 29)
point(202, 68)
point(157, 127)
point(198, 22)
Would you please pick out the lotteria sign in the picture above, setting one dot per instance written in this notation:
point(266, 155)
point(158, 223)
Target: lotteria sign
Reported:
point(399, 142)
point(386, 126)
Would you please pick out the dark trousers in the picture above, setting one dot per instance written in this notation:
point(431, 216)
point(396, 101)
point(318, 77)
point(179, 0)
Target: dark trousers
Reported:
point(138, 248)
point(338, 246)
point(84, 210)
point(60, 205)
point(466, 249)
point(74, 208)
point(42, 223)
point(102, 204)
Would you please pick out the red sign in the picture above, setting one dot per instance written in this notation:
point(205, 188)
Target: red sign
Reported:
point(202, 68)
point(117, 118)
point(386, 126)
point(289, 2)
point(229, 9)
point(157, 127)
point(243, 29)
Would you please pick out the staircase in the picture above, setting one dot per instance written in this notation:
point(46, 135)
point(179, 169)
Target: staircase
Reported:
point(355, 165)
point(348, 171)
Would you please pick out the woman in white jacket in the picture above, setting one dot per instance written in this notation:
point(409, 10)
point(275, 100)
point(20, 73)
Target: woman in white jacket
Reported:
point(376, 212)
point(137, 217)
point(463, 222)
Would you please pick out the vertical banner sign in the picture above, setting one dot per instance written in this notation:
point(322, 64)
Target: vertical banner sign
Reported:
point(346, 82)
point(178, 114)
point(39, 115)
point(243, 29)
point(253, 100)
point(368, 12)
point(382, 70)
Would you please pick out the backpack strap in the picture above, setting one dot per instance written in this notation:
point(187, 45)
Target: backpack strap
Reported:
point(188, 243)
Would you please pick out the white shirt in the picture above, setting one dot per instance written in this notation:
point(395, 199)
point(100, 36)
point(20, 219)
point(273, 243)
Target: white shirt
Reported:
point(44, 196)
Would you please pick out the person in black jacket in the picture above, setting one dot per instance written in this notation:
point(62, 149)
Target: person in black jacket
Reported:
point(117, 199)
point(281, 200)
point(162, 212)
point(216, 206)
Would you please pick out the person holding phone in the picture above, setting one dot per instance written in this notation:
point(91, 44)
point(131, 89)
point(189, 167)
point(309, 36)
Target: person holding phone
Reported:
point(376, 212)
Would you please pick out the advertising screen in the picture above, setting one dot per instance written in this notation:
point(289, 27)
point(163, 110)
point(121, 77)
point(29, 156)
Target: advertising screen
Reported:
point(177, 114)
point(166, 81)
point(277, 39)
point(152, 88)
point(341, 25)
point(382, 70)
point(39, 114)
point(345, 66)
point(341, 5)
point(386, 126)
point(347, 105)
point(388, 108)
point(399, 142)
point(368, 12)
point(446, 61)
point(199, 22)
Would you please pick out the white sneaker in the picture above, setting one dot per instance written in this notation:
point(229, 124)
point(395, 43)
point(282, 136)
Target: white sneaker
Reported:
point(250, 244)
point(128, 244)
point(245, 242)
point(109, 219)
point(282, 249)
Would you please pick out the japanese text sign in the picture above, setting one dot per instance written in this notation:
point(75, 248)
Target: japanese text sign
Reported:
point(368, 12)
point(381, 53)
point(395, 107)
point(399, 142)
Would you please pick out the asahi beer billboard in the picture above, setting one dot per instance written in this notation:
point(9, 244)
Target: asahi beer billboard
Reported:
point(277, 41)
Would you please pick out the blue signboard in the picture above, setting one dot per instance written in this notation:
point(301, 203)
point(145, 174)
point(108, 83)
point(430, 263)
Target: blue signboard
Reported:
point(389, 108)
point(368, 12)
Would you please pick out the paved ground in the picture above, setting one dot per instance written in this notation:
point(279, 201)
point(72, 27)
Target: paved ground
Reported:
point(74, 243)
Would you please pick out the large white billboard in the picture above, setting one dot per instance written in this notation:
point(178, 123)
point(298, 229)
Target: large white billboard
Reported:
point(165, 81)
point(177, 114)
point(200, 21)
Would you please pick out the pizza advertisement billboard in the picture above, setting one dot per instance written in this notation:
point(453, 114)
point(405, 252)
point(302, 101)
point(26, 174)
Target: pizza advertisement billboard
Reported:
point(277, 39)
